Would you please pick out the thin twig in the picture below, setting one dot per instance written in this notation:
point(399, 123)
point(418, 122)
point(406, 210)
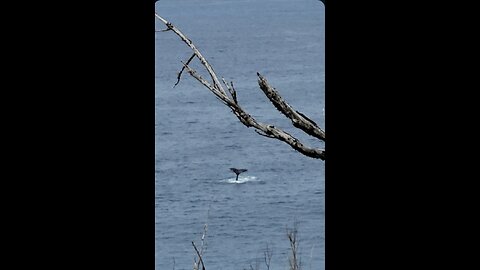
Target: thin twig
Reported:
point(226, 85)
point(311, 256)
point(212, 89)
point(203, 60)
point(265, 135)
point(203, 246)
point(292, 237)
point(199, 256)
point(231, 89)
point(183, 68)
point(234, 93)
point(268, 257)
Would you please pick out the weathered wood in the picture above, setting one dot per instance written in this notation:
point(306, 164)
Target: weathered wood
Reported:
point(199, 55)
point(183, 68)
point(199, 256)
point(298, 119)
point(270, 131)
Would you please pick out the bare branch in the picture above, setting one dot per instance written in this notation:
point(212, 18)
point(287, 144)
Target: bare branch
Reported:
point(223, 97)
point(231, 89)
point(163, 30)
point(183, 68)
point(292, 237)
point(226, 85)
point(199, 255)
point(233, 93)
point(298, 119)
point(203, 245)
point(279, 134)
point(161, 19)
point(246, 119)
point(268, 257)
point(216, 81)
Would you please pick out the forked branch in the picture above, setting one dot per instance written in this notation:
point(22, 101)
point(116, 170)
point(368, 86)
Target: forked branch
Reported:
point(199, 257)
point(215, 86)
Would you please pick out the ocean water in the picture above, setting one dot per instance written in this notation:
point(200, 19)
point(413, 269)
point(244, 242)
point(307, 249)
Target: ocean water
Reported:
point(198, 138)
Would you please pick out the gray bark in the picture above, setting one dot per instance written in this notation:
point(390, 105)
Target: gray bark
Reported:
point(215, 86)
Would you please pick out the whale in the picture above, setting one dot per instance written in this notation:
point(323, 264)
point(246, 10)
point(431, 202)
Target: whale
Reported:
point(237, 172)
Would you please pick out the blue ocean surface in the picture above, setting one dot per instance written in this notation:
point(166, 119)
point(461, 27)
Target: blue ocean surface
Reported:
point(198, 138)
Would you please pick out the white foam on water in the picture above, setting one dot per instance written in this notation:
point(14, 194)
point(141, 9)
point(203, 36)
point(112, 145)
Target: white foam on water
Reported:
point(241, 180)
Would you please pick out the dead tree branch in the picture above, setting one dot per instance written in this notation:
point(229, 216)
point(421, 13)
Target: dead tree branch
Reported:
point(183, 68)
point(268, 257)
point(299, 120)
point(199, 55)
point(292, 237)
point(203, 245)
point(199, 257)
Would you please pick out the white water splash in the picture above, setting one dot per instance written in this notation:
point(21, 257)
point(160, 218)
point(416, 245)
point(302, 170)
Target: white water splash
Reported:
point(241, 180)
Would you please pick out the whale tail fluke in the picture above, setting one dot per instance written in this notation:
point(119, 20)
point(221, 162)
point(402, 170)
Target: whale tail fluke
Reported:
point(237, 172)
